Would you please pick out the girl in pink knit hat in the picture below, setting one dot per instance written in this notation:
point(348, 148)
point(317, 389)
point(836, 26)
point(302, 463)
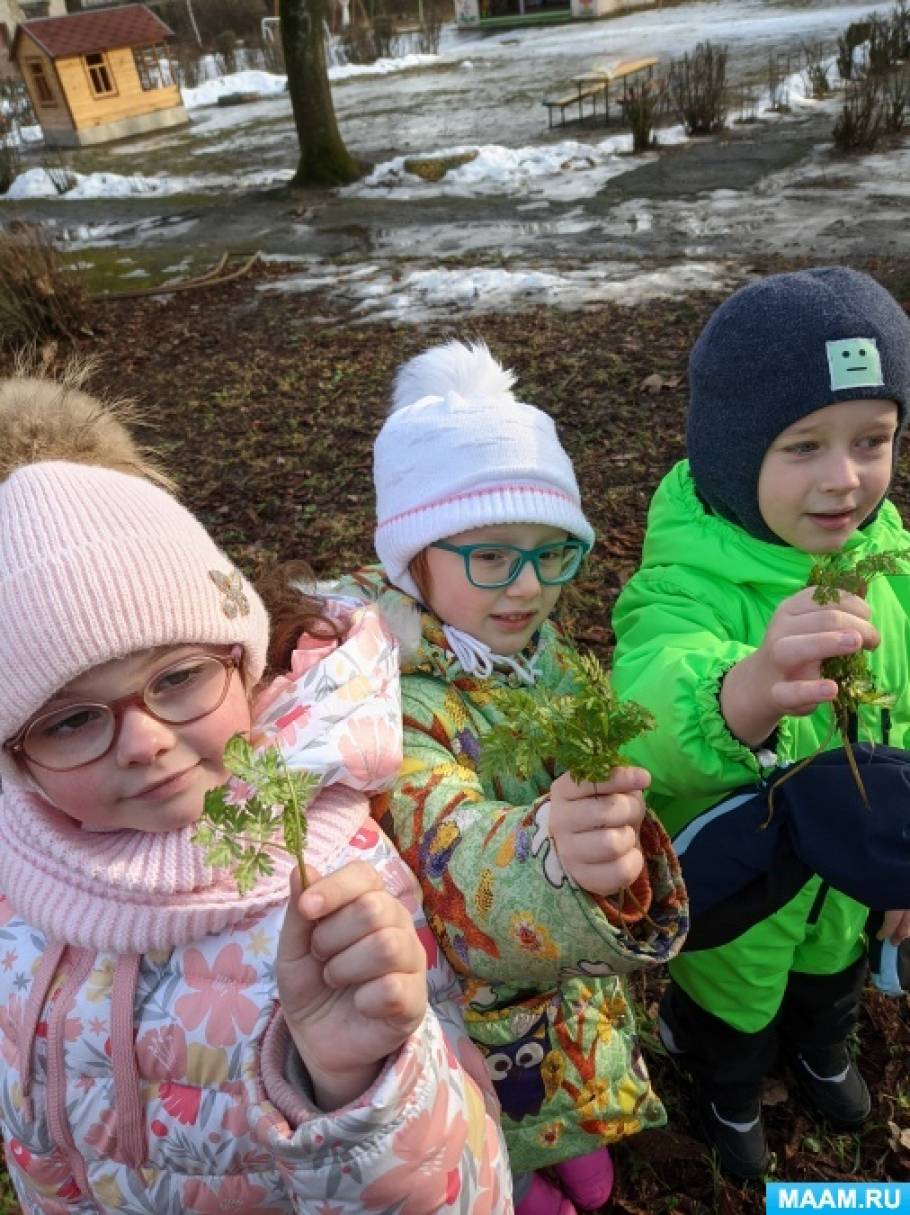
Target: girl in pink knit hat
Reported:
point(479, 528)
point(168, 1045)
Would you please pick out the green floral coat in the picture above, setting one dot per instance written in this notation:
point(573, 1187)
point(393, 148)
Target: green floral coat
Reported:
point(542, 962)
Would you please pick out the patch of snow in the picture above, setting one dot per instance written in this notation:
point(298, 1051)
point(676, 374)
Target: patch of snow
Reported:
point(382, 67)
point(567, 170)
point(380, 294)
point(38, 183)
point(265, 83)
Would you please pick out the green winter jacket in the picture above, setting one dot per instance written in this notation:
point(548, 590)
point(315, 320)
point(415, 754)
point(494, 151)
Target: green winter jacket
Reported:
point(541, 961)
point(700, 603)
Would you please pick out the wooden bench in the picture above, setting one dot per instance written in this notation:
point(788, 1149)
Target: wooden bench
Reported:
point(581, 94)
point(596, 83)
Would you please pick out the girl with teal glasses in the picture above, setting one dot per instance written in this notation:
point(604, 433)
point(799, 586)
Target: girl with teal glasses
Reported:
point(480, 526)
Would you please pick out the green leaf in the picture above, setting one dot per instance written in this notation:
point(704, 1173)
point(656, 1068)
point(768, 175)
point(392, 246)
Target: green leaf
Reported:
point(239, 836)
point(582, 732)
point(832, 575)
point(240, 759)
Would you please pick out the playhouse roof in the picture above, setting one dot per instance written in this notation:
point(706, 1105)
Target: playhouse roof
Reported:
point(90, 31)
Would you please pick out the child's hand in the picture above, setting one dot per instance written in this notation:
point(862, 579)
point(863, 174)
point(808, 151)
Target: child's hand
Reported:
point(783, 677)
point(351, 978)
point(595, 829)
point(895, 927)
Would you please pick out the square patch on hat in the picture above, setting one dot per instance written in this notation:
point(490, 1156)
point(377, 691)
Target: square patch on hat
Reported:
point(854, 363)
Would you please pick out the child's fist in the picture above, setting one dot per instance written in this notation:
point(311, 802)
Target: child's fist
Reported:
point(783, 676)
point(351, 977)
point(595, 829)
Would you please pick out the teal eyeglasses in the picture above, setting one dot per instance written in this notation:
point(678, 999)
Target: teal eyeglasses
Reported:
point(496, 565)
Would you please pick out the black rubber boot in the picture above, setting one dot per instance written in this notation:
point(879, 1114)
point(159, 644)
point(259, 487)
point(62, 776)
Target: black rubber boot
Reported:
point(820, 1012)
point(727, 1066)
point(735, 1132)
point(831, 1081)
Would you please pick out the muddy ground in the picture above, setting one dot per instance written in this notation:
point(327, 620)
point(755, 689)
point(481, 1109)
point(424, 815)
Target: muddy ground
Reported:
point(760, 210)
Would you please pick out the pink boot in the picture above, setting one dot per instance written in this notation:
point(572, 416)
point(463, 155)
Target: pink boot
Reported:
point(588, 1180)
point(543, 1198)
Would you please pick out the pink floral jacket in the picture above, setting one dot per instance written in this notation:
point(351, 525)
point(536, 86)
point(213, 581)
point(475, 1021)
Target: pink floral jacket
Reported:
point(224, 1120)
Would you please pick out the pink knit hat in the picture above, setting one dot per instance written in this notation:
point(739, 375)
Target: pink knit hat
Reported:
point(95, 565)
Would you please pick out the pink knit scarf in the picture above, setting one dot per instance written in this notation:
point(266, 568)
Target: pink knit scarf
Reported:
point(132, 891)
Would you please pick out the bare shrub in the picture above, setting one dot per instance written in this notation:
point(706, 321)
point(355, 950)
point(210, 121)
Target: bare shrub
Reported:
point(861, 123)
point(747, 103)
point(385, 37)
point(41, 297)
point(9, 162)
point(641, 106)
point(855, 35)
point(188, 60)
point(844, 60)
point(15, 113)
point(881, 56)
point(900, 17)
point(272, 55)
point(213, 16)
point(778, 90)
point(896, 101)
point(697, 85)
point(226, 48)
point(430, 31)
point(357, 42)
point(815, 70)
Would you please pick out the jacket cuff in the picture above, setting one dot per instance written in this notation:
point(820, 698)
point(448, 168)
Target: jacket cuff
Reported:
point(713, 728)
point(384, 1103)
point(286, 1081)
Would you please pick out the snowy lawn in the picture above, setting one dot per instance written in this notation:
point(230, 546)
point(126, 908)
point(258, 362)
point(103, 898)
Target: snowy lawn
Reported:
point(394, 106)
point(528, 219)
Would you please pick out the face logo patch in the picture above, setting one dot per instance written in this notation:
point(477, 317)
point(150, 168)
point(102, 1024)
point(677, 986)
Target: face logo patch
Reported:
point(854, 363)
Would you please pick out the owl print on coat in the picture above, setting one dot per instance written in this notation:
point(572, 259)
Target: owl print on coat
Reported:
point(515, 1069)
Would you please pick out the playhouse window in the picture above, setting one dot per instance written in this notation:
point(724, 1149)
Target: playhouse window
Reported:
point(153, 63)
point(99, 75)
point(42, 86)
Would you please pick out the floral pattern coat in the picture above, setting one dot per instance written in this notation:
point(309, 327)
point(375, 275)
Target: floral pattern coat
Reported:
point(225, 1115)
point(542, 962)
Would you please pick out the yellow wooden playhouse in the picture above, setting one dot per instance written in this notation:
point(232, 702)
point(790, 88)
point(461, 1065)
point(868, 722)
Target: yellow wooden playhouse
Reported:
point(99, 75)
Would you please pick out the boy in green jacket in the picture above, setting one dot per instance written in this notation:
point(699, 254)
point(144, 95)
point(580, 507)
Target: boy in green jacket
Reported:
point(799, 387)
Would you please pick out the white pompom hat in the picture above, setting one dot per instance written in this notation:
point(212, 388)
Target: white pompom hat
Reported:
point(459, 451)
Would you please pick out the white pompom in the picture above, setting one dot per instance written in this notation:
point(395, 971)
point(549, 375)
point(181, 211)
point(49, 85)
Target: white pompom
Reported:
point(471, 372)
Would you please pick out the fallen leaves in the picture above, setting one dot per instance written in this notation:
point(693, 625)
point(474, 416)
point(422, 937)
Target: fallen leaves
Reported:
point(267, 420)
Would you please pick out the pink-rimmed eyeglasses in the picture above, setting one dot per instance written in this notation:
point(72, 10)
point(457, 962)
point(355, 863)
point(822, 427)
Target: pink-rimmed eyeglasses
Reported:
point(83, 732)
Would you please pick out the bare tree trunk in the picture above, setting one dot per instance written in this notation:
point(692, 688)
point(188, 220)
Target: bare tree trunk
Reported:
point(324, 160)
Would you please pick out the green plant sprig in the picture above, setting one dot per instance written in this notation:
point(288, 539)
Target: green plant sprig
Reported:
point(832, 575)
point(242, 819)
point(582, 732)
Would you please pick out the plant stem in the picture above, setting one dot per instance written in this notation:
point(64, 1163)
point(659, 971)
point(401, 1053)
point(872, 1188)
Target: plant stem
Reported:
point(294, 811)
point(798, 768)
point(843, 725)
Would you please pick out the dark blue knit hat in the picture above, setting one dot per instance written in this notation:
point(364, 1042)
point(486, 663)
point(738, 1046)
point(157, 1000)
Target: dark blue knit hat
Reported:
point(775, 351)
